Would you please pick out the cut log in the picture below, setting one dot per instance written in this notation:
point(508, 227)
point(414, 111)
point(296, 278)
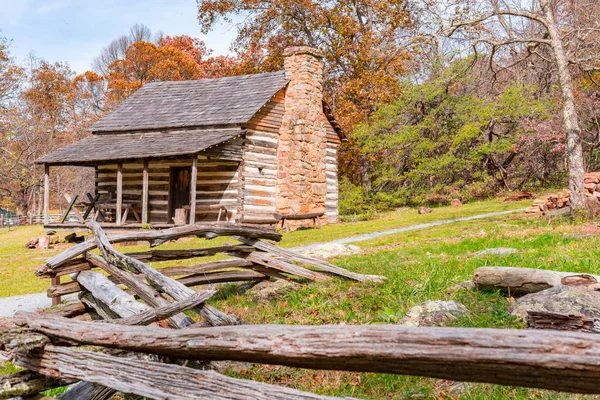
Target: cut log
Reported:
point(520, 281)
point(148, 294)
point(565, 361)
point(561, 322)
point(176, 290)
point(26, 383)
point(159, 237)
point(101, 309)
point(152, 379)
point(110, 294)
point(290, 255)
point(158, 314)
point(70, 310)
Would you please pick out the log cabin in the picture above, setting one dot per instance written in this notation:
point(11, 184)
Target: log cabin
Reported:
point(241, 149)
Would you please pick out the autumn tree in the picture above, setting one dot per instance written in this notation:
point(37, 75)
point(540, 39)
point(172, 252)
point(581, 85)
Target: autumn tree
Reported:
point(366, 44)
point(510, 32)
point(36, 122)
point(10, 73)
point(146, 62)
point(118, 47)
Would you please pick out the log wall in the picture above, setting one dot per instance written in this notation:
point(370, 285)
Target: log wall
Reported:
point(331, 165)
point(218, 182)
point(260, 160)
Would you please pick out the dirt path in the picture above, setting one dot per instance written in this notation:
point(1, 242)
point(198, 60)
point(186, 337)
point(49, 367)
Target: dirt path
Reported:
point(31, 302)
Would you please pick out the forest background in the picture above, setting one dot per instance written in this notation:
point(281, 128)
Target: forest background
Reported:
point(441, 99)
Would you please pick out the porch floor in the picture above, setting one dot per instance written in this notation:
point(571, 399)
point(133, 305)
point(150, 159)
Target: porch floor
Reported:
point(108, 226)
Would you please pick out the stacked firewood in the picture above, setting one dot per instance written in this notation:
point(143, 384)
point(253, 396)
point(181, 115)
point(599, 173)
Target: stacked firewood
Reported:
point(592, 184)
point(560, 200)
point(550, 202)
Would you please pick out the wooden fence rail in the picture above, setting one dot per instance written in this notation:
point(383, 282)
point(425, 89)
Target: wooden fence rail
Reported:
point(137, 346)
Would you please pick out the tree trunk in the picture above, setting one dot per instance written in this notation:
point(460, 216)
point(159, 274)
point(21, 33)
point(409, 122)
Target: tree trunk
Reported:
point(573, 131)
point(566, 361)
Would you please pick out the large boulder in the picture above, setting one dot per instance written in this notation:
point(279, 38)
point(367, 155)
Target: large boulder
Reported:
point(434, 313)
point(560, 299)
point(333, 250)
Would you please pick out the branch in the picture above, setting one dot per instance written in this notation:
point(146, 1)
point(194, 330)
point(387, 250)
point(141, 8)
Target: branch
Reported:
point(524, 14)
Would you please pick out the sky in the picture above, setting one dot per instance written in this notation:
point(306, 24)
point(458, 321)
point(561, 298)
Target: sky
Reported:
point(75, 31)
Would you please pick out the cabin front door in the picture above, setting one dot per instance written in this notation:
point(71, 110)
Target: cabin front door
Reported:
point(179, 191)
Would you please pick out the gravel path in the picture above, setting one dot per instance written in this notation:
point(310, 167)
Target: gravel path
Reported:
point(369, 236)
point(28, 302)
point(32, 302)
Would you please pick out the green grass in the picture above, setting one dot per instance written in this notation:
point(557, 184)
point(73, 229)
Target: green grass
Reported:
point(419, 265)
point(17, 263)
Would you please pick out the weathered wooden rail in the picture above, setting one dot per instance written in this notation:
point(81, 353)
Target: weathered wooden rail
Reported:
point(255, 260)
point(138, 347)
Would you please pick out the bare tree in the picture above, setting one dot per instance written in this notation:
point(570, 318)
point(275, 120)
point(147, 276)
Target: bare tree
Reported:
point(509, 32)
point(117, 48)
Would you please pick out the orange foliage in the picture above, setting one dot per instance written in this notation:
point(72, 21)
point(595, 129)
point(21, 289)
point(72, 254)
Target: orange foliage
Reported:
point(361, 41)
point(146, 62)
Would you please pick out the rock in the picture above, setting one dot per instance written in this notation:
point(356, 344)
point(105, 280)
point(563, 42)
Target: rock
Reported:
point(424, 210)
point(456, 203)
point(466, 285)
point(496, 251)
point(271, 290)
point(73, 238)
point(44, 243)
point(50, 233)
point(333, 250)
point(434, 313)
point(560, 299)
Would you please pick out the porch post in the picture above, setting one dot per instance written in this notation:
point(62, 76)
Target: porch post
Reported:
point(193, 180)
point(145, 194)
point(119, 192)
point(46, 192)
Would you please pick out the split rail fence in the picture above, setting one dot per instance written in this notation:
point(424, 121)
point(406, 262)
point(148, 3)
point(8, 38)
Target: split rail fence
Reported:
point(151, 348)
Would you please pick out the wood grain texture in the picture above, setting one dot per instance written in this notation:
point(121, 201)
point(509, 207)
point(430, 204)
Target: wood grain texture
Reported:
point(565, 361)
point(176, 290)
point(159, 237)
point(521, 281)
point(152, 379)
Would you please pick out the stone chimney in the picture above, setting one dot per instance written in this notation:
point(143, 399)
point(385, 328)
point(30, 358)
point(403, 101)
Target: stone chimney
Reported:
point(301, 178)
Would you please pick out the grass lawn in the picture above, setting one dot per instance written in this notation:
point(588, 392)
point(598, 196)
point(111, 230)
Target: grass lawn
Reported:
point(420, 265)
point(17, 263)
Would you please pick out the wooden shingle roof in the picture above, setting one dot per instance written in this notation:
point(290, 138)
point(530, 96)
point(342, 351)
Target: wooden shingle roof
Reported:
point(122, 146)
point(206, 102)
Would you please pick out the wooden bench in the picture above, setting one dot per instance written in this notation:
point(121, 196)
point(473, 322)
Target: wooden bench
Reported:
point(262, 221)
point(316, 217)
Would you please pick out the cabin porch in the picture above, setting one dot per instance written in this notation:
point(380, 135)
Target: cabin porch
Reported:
point(154, 194)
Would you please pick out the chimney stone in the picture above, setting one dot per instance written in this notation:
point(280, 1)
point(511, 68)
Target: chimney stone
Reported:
point(301, 179)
